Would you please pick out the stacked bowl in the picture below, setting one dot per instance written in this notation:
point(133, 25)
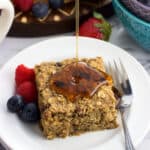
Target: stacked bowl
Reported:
point(135, 16)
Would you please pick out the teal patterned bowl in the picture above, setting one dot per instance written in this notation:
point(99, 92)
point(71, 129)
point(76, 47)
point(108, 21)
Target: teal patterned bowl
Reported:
point(136, 27)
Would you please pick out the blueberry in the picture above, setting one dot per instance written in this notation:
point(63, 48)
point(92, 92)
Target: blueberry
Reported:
point(15, 103)
point(40, 10)
point(56, 3)
point(30, 113)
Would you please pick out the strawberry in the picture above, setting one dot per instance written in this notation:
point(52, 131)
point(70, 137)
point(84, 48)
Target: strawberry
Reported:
point(23, 5)
point(96, 27)
point(24, 74)
point(28, 91)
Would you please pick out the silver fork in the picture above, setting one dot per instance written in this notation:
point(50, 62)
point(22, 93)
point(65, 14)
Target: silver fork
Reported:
point(122, 83)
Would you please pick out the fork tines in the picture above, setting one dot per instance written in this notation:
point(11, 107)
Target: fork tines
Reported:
point(120, 76)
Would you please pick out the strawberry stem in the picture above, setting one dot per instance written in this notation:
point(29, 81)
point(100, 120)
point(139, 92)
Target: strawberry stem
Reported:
point(103, 26)
point(98, 16)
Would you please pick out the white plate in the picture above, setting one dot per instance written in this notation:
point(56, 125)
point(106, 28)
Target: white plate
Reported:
point(20, 136)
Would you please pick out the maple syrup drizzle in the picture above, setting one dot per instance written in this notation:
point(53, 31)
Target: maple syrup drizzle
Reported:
point(78, 80)
point(77, 6)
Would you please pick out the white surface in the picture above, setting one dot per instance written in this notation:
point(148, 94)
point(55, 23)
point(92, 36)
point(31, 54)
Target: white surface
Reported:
point(6, 17)
point(105, 140)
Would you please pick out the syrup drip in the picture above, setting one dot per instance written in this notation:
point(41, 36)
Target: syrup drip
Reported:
point(77, 6)
point(78, 80)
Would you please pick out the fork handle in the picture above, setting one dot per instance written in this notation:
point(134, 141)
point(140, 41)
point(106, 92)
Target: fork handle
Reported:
point(128, 140)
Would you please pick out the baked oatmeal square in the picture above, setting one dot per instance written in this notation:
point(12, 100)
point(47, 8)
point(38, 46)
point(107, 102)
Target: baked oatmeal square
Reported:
point(61, 117)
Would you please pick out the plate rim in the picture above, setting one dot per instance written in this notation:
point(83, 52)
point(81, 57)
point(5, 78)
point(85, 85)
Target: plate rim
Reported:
point(145, 73)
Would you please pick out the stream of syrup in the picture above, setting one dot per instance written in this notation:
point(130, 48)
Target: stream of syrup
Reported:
point(78, 80)
point(77, 5)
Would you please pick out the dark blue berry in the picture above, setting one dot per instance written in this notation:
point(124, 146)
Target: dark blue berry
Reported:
point(56, 3)
point(40, 10)
point(30, 113)
point(15, 103)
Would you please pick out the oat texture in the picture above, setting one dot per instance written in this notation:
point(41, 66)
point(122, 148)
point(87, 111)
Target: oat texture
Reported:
point(60, 117)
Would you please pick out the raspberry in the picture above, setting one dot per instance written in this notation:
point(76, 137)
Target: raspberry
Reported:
point(23, 5)
point(24, 74)
point(28, 91)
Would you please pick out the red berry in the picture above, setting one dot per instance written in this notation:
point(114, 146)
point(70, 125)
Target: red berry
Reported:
point(23, 5)
point(28, 91)
point(24, 74)
point(96, 27)
point(88, 29)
